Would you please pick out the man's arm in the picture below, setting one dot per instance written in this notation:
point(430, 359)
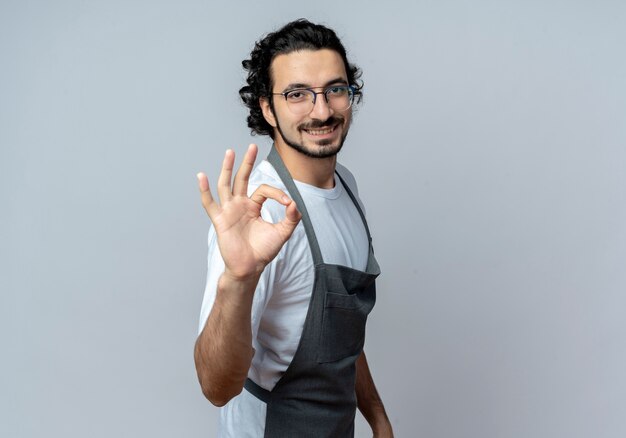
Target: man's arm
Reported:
point(247, 244)
point(369, 402)
point(223, 350)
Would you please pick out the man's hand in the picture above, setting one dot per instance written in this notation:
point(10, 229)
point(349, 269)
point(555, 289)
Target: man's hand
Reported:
point(247, 243)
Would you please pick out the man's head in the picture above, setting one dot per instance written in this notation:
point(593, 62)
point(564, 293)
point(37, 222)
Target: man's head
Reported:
point(306, 57)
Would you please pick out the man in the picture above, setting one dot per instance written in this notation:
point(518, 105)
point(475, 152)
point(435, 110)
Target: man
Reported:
point(291, 276)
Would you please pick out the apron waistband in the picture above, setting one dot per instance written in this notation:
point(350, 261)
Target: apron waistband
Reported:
point(254, 389)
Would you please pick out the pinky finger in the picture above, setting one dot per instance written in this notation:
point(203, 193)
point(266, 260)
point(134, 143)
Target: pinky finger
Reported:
point(203, 182)
point(205, 193)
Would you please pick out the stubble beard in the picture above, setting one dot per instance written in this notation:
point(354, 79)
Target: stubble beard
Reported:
point(325, 148)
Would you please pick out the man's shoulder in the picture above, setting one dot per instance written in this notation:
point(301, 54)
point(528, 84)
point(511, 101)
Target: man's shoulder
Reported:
point(348, 177)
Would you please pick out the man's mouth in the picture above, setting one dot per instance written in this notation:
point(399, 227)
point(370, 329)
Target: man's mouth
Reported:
point(320, 131)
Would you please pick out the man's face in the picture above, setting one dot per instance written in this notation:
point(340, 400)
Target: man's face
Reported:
point(321, 132)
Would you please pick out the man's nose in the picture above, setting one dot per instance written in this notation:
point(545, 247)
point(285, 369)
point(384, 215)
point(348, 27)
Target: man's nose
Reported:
point(321, 109)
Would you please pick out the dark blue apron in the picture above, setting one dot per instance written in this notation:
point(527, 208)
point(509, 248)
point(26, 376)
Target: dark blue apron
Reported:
point(315, 397)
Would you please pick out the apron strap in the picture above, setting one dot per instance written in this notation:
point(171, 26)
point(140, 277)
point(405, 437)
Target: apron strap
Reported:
point(372, 264)
point(357, 205)
point(286, 178)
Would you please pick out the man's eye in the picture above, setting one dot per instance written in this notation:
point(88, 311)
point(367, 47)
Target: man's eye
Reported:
point(335, 91)
point(296, 95)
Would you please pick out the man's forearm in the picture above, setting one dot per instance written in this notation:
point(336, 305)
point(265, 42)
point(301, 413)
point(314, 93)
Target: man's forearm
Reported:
point(369, 402)
point(223, 350)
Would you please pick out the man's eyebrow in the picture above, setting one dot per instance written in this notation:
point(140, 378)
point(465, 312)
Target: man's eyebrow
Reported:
point(295, 85)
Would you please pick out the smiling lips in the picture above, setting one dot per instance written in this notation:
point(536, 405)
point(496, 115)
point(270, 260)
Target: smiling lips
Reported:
point(323, 131)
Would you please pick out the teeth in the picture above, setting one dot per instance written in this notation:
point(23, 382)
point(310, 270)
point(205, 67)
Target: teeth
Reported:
point(319, 131)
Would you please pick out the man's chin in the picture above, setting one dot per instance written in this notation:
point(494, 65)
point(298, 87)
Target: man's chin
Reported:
point(321, 149)
point(327, 143)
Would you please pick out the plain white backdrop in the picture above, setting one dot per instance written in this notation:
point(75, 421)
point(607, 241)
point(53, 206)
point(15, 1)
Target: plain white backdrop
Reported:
point(489, 151)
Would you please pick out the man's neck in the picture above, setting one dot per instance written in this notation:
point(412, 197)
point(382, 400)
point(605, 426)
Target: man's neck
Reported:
point(318, 172)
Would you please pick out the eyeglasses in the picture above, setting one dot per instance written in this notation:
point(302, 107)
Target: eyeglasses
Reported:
point(301, 101)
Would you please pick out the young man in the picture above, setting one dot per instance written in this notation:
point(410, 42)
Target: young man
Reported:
point(291, 269)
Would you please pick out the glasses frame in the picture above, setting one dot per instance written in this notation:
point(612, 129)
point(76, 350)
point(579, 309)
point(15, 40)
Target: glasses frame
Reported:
point(351, 90)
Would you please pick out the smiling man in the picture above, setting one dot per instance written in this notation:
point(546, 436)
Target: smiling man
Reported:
point(291, 274)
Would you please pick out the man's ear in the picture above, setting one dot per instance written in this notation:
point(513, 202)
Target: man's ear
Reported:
point(268, 114)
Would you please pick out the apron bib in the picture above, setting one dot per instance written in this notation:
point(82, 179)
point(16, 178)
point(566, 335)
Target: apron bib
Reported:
point(315, 397)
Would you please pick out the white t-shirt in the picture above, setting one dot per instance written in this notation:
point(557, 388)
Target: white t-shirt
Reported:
point(283, 293)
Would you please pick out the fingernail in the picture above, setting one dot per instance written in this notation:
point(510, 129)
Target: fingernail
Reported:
point(286, 199)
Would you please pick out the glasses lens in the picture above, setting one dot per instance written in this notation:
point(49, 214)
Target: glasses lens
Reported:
point(339, 98)
point(301, 101)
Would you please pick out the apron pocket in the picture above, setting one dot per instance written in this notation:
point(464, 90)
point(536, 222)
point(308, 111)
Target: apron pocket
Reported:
point(343, 326)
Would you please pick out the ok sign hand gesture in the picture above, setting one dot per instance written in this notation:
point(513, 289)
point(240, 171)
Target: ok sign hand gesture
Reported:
point(247, 243)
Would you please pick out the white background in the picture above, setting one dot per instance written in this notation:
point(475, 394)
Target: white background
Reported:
point(489, 151)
